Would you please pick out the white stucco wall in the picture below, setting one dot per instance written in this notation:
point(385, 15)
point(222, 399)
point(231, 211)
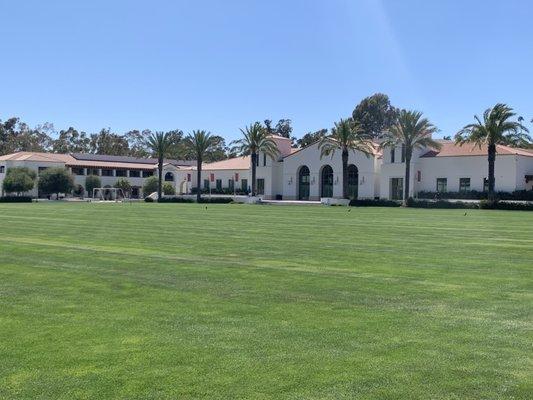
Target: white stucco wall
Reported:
point(310, 156)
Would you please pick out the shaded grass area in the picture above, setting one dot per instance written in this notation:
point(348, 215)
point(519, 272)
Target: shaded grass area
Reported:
point(155, 301)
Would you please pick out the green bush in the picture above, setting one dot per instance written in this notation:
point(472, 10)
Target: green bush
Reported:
point(78, 190)
point(374, 203)
point(150, 185)
point(440, 204)
point(19, 180)
point(15, 199)
point(92, 182)
point(168, 189)
point(212, 200)
point(124, 184)
point(55, 180)
point(476, 195)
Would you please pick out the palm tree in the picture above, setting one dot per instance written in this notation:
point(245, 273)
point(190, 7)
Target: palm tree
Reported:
point(495, 128)
point(345, 136)
point(199, 143)
point(256, 139)
point(413, 132)
point(159, 143)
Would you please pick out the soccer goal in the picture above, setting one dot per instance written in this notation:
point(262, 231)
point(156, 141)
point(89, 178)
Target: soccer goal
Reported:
point(109, 194)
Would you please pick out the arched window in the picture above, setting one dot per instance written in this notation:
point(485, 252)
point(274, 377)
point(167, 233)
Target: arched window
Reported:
point(326, 184)
point(303, 183)
point(353, 181)
point(169, 177)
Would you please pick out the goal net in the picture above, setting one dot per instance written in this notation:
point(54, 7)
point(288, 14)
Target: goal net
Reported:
point(109, 194)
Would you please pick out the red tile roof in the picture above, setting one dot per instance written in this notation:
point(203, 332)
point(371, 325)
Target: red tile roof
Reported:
point(450, 149)
point(232, 163)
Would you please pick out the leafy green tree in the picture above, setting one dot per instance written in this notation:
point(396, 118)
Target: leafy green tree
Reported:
point(345, 136)
point(55, 180)
point(19, 180)
point(159, 143)
point(168, 189)
point(92, 182)
point(255, 139)
point(496, 127)
point(311, 137)
point(375, 115)
point(137, 143)
point(71, 141)
point(18, 136)
point(199, 143)
point(150, 186)
point(413, 132)
point(108, 143)
point(124, 184)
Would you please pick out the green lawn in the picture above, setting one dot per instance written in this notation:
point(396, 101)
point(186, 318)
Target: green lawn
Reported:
point(166, 301)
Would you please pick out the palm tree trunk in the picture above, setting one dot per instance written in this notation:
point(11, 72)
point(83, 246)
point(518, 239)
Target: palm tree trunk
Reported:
point(407, 176)
point(254, 164)
point(492, 161)
point(160, 178)
point(198, 179)
point(344, 173)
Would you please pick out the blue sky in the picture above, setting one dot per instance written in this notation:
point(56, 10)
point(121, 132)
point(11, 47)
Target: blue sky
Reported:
point(219, 65)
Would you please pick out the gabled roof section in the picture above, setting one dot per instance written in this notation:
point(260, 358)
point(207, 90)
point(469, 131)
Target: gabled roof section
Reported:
point(450, 149)
point(126, 159)
point(231, 163)
point(36, 156)
point(375, 145)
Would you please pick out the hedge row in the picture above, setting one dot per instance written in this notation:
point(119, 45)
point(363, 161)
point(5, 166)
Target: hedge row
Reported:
point(475, 195)
point(483, 204)
point(212, 200)
point(239, 192)
point(15, 199)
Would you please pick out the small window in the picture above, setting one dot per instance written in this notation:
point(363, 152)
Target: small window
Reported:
point(146, 174)
point(219, 184)
point(392, 155)
point(244, 185)
point(2, 169)
point(120, 172)
point(135, 174)
point(231, 185)
point(464, 185)
point(442, 185)
point(264, 159)
point(92, 171)
point(485, 184)
point(107, 172)
point(403, 153)
point(418, 176)
point(206, 184)
point(169, 177)
point(78, 171)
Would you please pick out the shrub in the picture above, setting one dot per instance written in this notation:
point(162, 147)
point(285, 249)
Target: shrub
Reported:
point(19, 180)
point(476, 195)
point(150, 185)
point(55, 180)
point(15, 199)
point(440, 204)
point(78, 190)
point(213, 200)
point(92, 182)
point(374, 203)
point(168, 189)
point(124, 184)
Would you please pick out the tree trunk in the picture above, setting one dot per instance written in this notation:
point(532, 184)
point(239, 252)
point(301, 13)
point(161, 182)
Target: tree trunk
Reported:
point(492, 161)
point(407, 176)
point(254, 165)
point(198, 179)
point(160, 178)
point(344, 173)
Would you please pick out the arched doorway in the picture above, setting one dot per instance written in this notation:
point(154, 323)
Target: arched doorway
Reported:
point(326, 181)
point(303, 183)
point(353, 181)
point(169, 177)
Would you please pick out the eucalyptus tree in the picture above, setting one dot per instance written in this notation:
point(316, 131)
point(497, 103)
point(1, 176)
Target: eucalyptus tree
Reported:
point(412, 131)
point(345, 136)
point(496, 127)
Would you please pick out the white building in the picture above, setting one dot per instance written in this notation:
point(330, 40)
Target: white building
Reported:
point(301, 174)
